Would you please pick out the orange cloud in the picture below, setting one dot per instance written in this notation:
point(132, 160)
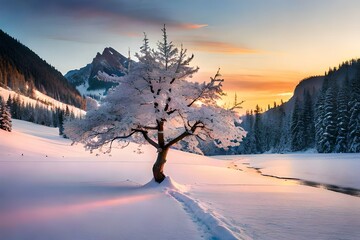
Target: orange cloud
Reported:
point(220, 47)
point(259, 86)
point(259, 89)
point(192, 26)
point(259, 83)
point(285, 94)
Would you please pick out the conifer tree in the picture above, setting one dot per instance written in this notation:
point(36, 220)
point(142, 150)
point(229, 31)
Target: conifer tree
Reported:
point(330, 119)
point(319, 117)
point(297, 128)
point(343, 118)
point(281, 131)
point(308, 116)
point(61, 122)
point(258, 130)
point(15, 107)
point(354, 121)
point(5, 117)
point(248, 142)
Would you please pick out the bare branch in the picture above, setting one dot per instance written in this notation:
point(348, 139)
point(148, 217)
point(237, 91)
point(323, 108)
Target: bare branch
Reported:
point(133, 131)
point(121, 137)
point(148, 127)
point(236, 105)
point(147, 138)
point(197, 124)
point(213, 84)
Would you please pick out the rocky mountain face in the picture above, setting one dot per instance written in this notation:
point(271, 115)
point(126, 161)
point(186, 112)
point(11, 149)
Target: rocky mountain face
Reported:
point(85, 79)
point(23, 71)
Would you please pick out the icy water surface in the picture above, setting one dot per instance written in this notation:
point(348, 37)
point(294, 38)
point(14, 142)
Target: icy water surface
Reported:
point(335, 169)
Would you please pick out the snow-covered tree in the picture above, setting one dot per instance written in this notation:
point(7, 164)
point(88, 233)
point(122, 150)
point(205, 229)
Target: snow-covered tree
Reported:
point(330, 118)
point(248, 142)
point(60, 114)
point(343, 118)
point(319, 117)
point(354, 116)
point(309, 126)
point(297, 128)
point(258, 131)
point(5, 117)
point(155, 103)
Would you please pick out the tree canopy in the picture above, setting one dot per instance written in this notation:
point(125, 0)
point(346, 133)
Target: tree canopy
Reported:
point(156, 103)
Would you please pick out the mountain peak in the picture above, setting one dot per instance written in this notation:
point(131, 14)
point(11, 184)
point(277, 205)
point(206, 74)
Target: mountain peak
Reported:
point(110, 50)
point(85, 79)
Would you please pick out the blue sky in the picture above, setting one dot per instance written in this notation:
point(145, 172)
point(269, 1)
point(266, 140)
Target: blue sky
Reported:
point(264, 47)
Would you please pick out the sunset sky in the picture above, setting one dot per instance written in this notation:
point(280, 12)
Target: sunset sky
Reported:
point(263, 47)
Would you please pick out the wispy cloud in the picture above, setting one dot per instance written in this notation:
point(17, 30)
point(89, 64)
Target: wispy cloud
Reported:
point(268, 86)
point(220, 47)
point(285, 94)
point(73, 38)
point(133, 34)
point(109, 13)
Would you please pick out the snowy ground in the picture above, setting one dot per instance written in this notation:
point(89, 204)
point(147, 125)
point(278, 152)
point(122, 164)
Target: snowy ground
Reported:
point(51, 190)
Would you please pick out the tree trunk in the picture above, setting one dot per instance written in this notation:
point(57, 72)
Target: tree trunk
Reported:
point(158, 168)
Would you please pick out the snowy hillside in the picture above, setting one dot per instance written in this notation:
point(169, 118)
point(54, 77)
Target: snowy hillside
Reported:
point(24, 71)
point(41, 99)
point(52, 190)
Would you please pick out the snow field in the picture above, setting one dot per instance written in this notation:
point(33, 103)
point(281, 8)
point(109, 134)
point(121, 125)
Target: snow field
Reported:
point(52, 190)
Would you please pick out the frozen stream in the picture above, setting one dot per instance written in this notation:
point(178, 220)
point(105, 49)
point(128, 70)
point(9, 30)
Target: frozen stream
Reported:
point(336, 169)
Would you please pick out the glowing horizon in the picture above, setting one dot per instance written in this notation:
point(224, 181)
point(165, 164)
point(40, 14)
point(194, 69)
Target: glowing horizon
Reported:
point(263, 47)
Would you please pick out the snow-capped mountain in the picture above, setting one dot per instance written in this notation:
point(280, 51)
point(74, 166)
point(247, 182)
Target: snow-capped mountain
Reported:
point(85, 79)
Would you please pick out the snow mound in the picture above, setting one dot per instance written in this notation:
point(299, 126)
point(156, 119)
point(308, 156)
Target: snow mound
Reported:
point(167, 184)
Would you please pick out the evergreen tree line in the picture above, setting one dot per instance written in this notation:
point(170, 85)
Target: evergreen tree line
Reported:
point(328, 121)
point(38, 113)
point(337, 116)
point(265, 132)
